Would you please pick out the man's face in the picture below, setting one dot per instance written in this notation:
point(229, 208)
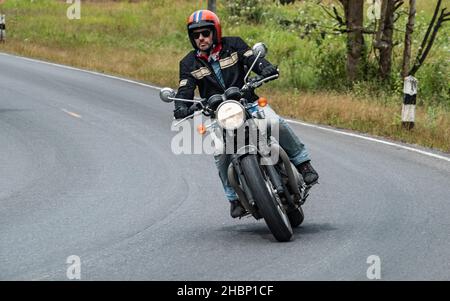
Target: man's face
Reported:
point(203, 38)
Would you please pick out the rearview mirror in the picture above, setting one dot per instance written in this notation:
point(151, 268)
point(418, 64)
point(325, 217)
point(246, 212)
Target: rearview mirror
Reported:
point(260, 48)
point(166, 93)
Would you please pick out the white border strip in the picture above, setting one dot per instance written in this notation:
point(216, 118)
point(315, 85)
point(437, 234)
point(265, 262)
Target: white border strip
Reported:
point(291, 121)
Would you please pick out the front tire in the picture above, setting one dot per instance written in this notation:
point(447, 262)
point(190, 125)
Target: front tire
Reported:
point(272, 211)
point(296, 217)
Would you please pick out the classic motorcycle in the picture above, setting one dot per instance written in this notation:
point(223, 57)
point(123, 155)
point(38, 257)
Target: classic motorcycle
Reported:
point(267, 183)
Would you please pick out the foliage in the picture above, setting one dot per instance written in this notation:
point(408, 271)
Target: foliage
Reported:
point(312, 52)
point(247, 10)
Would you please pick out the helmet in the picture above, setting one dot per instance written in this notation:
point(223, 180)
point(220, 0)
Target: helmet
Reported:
point(204, 18)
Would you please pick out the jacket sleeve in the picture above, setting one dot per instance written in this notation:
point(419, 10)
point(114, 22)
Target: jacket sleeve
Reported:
point(246, 55)
point(186, 90)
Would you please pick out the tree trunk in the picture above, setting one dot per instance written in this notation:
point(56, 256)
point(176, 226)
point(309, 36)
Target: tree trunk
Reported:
point(386, 43)
point(284, 2)
point(212, 5)
point(355, 40)
point(381, 24)
point(428, 41)
point(409, 31)
point(345, 6)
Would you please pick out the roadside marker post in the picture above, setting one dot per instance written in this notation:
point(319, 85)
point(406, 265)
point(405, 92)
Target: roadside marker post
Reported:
point(2, 28)
point(409, 102)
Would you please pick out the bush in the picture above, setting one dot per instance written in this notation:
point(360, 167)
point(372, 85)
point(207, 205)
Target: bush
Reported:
point(434, 85)
point(331, 70)
point(248, 10)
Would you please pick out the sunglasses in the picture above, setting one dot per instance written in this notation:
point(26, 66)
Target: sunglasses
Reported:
point(204, 33)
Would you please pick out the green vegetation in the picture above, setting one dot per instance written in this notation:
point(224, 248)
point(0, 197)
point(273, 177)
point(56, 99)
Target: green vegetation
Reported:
point(146, 39)
point(313, 55)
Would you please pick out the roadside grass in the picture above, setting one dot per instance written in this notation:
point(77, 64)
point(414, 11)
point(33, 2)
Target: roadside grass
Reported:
point(432, 126)
point(146, 40)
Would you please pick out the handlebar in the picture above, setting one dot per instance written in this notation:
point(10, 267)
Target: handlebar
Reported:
point(252, 84)
point(257, 81)
point(188, 117)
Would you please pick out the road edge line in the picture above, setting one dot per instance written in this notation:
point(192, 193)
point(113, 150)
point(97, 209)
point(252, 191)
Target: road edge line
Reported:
point(288, 120)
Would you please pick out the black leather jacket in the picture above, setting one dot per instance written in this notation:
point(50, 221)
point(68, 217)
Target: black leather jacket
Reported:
point(235, 59)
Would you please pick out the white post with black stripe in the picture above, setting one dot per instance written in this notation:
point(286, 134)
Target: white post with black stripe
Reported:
point(409, 102)
point(2, 28)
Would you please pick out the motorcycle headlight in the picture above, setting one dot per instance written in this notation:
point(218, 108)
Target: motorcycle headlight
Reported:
point(230, 115)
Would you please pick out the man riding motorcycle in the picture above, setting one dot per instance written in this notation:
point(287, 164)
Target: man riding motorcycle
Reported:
point(217, 63)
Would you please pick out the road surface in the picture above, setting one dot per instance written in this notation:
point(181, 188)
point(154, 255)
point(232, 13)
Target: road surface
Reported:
point(87, 169)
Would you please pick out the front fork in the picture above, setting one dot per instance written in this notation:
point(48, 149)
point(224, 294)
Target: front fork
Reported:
point(265, 152)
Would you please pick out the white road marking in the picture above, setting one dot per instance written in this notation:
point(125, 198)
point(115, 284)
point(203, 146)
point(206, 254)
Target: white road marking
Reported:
point(71, 113)
point(81, 70)
point(292, 121)
point(370, 139)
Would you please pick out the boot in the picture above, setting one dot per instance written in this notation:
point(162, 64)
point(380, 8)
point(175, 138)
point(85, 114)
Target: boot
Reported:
point(236, 209)
point(310, 176)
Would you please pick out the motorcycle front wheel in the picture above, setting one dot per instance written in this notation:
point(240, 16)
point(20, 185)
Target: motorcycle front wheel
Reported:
point(296, 217)
point(271, 210)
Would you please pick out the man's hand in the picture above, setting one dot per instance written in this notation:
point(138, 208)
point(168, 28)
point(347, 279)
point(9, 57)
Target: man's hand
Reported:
point(195, 107)
point(269, 71)
point(181, 113)
point(185, 111)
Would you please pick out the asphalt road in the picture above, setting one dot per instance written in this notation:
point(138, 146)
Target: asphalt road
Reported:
point(86, 169)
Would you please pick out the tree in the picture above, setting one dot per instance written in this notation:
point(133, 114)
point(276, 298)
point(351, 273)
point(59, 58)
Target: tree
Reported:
point(212, 5)
point(408, 34)
point(355, 42)
point(428, 41)
point(384, 41)
point(383, 33)
point(354, 17)
point(354, 27)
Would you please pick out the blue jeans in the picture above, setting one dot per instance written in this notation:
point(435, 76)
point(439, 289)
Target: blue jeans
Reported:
point(294, 148)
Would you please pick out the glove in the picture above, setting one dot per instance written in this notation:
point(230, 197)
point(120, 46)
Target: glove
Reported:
point(195, 107)
point(183, 112)
point(269, 71)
